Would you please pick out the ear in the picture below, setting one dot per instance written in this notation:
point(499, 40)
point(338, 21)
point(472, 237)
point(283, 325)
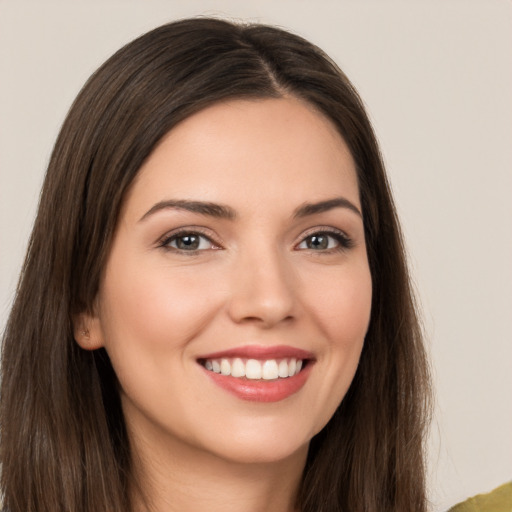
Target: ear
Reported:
point(87, 331)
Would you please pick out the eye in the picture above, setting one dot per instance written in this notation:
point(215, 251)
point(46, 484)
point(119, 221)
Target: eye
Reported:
point(326, 241)
point(188, 241)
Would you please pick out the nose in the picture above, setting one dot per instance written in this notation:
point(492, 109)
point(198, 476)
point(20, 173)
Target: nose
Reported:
point(262, 290)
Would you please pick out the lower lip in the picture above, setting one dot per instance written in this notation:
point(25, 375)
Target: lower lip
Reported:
point(261, 390)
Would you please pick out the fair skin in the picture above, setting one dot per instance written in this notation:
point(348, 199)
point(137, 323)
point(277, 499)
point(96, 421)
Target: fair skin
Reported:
point(259, 277)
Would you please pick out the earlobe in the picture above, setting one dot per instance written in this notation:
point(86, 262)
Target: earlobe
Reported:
point(87, 331)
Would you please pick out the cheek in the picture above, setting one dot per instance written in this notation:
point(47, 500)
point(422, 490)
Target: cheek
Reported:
point(147, 323)
point(342, 313)
point(156, 309)
point(343, 308)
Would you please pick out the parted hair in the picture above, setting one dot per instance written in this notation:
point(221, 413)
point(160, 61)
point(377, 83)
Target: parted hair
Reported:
point(63, 441)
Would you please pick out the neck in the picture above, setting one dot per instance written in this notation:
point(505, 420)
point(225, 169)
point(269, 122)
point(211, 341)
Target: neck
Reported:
point(176, 477)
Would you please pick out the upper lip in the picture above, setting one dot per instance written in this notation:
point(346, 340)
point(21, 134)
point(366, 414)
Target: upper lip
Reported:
point(261, 352)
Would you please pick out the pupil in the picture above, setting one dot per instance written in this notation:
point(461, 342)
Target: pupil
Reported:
point(188, 242)
point(318, 242)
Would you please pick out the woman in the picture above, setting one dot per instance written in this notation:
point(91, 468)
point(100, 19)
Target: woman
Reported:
point(215, 309)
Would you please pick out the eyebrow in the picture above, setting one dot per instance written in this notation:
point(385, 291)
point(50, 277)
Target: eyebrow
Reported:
point(323, 206)
point(221, 211)
point(201, 207)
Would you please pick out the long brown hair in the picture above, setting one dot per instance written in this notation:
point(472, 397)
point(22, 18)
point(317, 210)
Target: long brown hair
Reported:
point(64, 445)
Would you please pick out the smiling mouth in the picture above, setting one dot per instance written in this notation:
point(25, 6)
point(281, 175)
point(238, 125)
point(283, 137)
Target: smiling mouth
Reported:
point(254, 369)
point(259, 373)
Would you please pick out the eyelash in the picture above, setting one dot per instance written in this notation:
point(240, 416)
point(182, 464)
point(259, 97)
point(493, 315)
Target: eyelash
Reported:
point(344, 242)
point(164, 243)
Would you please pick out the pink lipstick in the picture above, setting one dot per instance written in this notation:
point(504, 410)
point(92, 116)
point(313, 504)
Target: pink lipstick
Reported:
point(259, 373)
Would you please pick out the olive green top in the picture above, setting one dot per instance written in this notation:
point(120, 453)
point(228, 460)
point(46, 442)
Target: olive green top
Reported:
point(499, 500)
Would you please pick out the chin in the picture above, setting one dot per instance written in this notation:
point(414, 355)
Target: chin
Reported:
point(263, 443)
point(258, 454)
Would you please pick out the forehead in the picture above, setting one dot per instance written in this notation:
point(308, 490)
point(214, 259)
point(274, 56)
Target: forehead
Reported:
point(247, 152)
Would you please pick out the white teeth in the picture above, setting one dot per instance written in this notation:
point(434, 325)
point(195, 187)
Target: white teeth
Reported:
point(292, 366)
point(238, 368)
point(225, 367)
point(254, 369)
point(270, 370)
point(283, 369)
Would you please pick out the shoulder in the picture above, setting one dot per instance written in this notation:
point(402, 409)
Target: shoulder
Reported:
point(499, 500)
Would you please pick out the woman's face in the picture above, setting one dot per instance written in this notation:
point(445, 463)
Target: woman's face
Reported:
point(240, 250)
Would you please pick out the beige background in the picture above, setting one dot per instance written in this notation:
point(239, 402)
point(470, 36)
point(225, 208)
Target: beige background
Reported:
point(436, 76)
